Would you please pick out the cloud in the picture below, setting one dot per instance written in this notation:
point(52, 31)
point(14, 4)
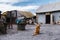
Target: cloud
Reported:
point(5, 7)
point(11, 1)
point(29, 5)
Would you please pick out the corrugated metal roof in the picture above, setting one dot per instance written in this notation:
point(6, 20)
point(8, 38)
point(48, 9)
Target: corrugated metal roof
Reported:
point(27, 14)
point(49, 7)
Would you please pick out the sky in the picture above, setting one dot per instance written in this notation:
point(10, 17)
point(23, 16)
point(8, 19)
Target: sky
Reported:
point(23, 5)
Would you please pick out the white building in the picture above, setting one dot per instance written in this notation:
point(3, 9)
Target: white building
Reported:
point(48, 14)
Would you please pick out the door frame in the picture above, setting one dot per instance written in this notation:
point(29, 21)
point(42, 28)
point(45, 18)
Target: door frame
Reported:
point(46, 17)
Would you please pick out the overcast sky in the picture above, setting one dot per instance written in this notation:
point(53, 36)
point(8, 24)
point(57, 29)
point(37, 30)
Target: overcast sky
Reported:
point(23, 5)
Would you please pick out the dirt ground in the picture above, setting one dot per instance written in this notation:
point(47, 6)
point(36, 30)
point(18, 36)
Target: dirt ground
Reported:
point(48, 32)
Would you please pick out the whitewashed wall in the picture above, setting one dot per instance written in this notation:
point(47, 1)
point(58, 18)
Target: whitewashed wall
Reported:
point(18, 13)
point(41, 18)
point(56, 16)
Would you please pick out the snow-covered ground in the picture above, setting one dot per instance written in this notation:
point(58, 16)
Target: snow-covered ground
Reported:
point(47, 32)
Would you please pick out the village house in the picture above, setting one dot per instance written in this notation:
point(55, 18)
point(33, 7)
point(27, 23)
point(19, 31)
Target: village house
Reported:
point(49, 13)
point(30, 17)
point(19, 14)
point(11, 14)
